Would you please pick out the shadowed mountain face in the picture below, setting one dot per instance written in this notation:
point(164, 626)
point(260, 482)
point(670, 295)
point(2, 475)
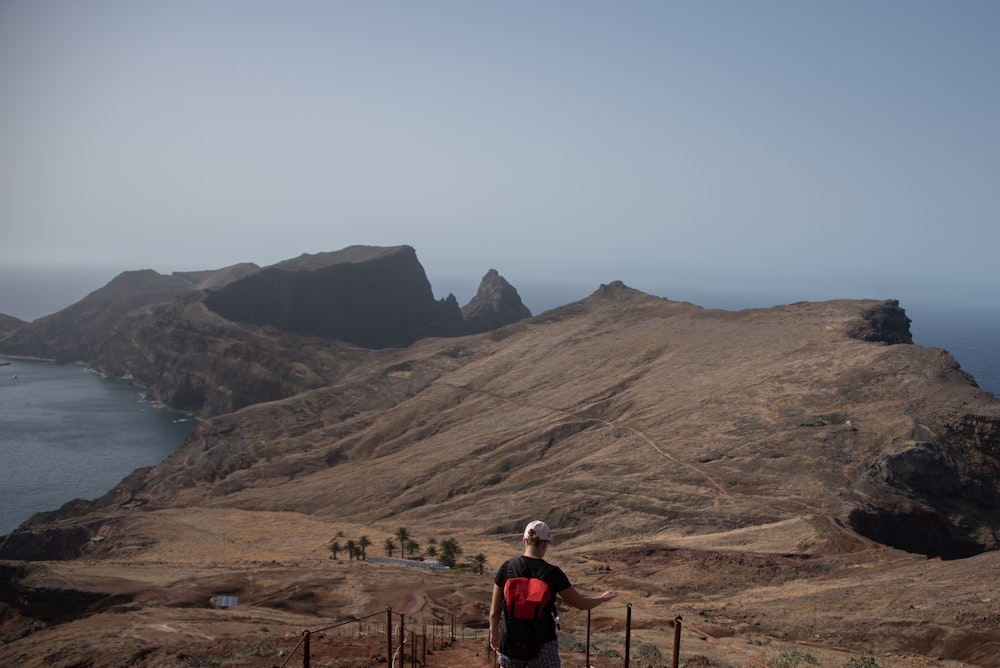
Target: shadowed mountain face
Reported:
point(371, 297)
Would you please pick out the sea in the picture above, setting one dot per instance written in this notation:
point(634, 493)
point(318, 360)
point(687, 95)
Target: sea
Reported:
point(67, 433)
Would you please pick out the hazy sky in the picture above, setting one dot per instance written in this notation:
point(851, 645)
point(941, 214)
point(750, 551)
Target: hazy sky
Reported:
point(799, 149)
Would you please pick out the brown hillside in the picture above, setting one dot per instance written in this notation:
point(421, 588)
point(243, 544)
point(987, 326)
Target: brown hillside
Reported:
point(754, 472)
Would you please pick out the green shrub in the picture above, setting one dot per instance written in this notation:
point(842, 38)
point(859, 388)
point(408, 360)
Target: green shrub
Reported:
point(862, 662)
point(648, 655)
point(571, 643)
point(793, 659)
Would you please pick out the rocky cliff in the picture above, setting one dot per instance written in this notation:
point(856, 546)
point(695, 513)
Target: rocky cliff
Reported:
point(369, 296)
point(192, 359)
point(216, 341)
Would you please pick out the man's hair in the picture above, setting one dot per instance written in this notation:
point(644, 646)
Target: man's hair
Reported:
point(533, 537)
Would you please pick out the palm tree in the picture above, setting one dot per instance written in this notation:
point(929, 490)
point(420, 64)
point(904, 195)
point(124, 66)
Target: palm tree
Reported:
point(479, 560)
point(449, 551)
point(352, 548)
point(363, 544)
point(413, 546)
point(403, 535)
point(335, 546)
point(431, 550)
point(390, 546)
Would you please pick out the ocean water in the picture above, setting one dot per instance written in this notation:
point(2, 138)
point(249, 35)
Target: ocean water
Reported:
point(970, 334)
point(67, 433)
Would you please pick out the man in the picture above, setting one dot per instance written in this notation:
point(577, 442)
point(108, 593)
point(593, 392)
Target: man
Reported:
point(537, 539)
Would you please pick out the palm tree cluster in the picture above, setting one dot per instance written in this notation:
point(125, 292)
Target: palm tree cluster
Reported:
point(356, 549)
point(446, 551)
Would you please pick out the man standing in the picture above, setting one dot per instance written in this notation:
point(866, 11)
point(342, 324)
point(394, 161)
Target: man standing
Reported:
point(537, 539)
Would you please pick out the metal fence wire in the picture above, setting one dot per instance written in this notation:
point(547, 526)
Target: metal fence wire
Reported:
point(392, 627)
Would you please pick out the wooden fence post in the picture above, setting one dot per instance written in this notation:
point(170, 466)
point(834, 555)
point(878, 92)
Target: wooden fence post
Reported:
point(628, 632)
point(388, 635)
point(677, 641)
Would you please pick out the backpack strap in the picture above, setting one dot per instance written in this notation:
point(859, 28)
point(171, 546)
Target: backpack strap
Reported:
point(519, 567)
point(541, 572)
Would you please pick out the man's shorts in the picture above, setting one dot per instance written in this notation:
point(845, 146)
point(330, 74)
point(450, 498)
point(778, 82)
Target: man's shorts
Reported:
point(548, 657)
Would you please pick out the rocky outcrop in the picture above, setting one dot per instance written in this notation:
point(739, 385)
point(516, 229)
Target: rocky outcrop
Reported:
point(495, 305)
point(369, 296)
point(885, 323)
point(48, 544)
point(928, 491)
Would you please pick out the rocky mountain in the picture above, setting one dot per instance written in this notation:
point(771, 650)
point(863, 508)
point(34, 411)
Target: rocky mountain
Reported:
point(9, 323)
point(781, 475)
point(73, 333)
point(215, 341)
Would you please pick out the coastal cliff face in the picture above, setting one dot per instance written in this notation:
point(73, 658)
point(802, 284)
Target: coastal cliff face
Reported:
point(191, 359)
point(371, 297)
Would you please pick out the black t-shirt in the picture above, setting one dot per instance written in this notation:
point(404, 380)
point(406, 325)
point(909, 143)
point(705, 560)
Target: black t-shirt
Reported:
point(553, 577)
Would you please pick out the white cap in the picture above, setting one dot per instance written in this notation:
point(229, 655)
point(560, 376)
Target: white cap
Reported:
point(540, 528)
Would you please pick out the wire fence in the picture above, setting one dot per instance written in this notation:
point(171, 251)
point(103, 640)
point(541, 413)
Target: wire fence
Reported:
point(412, 647)
point(395, 635)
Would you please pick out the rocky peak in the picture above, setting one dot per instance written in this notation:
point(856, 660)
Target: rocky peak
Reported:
point(885, 323)
point(496, 304)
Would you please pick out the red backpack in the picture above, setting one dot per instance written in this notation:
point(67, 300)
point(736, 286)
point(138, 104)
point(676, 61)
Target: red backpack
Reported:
point(525, 625)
